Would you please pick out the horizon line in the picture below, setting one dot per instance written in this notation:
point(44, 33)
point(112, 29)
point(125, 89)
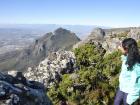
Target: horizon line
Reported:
point(70, 25)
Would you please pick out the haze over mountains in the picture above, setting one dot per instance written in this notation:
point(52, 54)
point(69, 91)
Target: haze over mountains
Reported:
point(18, 36)
point(80, 30)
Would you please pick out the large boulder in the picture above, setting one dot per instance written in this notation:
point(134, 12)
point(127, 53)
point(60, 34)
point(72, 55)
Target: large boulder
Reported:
point(17, 90)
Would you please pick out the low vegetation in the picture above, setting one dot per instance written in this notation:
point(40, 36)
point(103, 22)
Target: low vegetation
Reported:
point(94, 83)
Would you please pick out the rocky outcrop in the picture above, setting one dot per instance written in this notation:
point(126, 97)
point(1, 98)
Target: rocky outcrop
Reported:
point(110, 38)
point(134, 33)
point(52, 68)
point(17, 90)
point(96, 34)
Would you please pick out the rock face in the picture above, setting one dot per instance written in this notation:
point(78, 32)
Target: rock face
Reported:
point(38, 51)
point(97, 34)
point(134, 33)
point(110, 44)
point(52, 68)
point(110, 38)
point(17, 90)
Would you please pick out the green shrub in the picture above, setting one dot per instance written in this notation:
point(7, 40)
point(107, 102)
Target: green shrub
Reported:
point(98, 78)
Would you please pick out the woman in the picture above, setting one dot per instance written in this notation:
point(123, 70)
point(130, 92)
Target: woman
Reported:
point(129, 79)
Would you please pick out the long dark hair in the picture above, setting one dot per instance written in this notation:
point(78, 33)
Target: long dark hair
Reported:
point(133, 56)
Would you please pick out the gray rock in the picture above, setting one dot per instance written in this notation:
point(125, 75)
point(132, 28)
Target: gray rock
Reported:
point(97, 34)
point(19, 92)
point(52, 68)
point(134, 33)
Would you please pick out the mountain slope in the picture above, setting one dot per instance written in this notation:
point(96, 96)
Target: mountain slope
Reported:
point(60, 39)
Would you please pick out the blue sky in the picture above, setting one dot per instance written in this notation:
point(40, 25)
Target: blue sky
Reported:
point(114, 13)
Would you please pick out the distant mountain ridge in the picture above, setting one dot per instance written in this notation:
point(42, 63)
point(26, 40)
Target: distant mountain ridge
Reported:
point(60, 39)
point(80, 30)
point(18, 36)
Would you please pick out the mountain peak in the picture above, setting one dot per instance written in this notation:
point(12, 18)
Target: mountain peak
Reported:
point(62, 31)
point(60, 39)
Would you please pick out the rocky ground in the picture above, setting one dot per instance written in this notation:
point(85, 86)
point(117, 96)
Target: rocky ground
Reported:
point(53, 67)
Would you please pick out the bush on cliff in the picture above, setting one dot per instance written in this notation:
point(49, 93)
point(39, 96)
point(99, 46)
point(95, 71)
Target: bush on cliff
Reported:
point(95, 82)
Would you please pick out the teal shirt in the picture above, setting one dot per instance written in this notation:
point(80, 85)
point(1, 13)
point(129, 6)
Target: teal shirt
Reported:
point(129, 81)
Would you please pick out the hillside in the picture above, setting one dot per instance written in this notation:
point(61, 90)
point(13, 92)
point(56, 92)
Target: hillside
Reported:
point(60, 39)
point(86, 75)
point(91, 77)
point(82, 77)
point(94, 83)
